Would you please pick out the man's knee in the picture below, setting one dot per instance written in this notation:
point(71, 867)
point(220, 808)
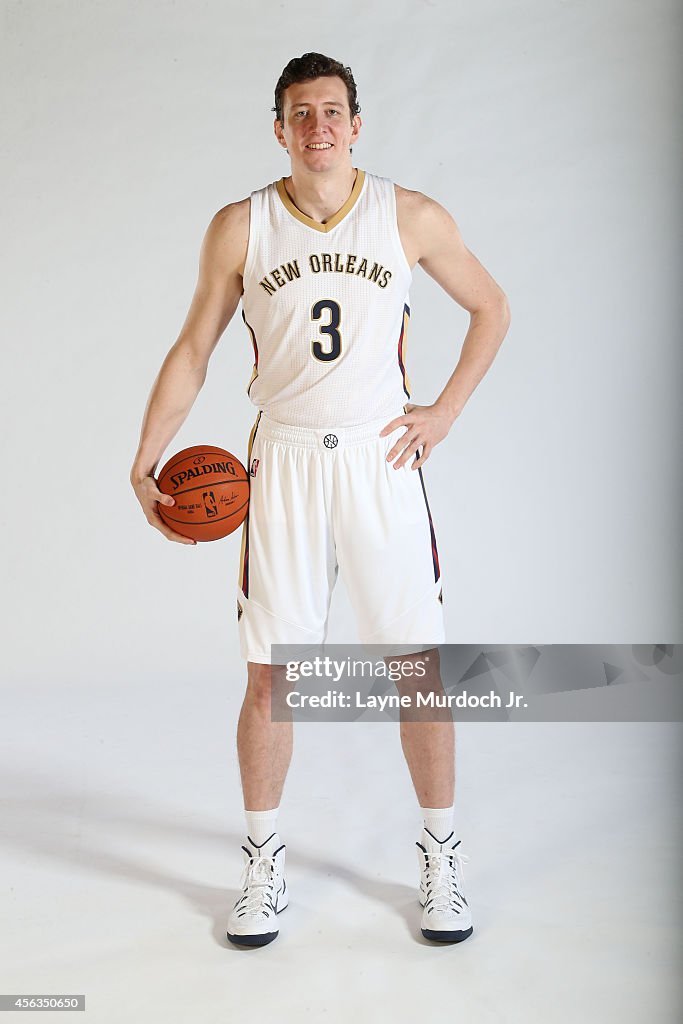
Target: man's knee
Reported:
point(419, 673)
point(264, 684)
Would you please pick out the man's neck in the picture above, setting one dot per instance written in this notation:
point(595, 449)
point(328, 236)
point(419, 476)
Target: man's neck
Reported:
point(320, 196)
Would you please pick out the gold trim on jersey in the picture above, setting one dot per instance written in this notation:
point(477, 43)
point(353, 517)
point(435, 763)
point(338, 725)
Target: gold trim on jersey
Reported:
point(333, 221)
point(402, 349)
point(254, 373)
point(243, 578)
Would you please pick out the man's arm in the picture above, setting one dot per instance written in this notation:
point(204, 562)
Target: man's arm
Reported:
point(431, 238)
point(183, 372)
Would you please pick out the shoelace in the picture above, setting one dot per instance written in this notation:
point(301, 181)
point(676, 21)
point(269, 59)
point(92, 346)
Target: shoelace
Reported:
point(442, 877)
point(257, 877)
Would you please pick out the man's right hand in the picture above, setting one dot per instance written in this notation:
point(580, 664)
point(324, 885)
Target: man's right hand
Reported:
point(149, 496)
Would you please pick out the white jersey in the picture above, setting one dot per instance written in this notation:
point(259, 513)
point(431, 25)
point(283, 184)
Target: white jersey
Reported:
point(327, 307)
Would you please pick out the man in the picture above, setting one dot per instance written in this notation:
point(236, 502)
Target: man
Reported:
point(322, 261)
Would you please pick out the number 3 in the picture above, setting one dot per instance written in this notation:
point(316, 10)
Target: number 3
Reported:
point(332, 329)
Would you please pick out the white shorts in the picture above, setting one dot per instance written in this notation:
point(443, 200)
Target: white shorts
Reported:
point(327, 500)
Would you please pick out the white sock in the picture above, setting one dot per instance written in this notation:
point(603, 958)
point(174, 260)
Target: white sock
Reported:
point(261, 825)
point(439, 821)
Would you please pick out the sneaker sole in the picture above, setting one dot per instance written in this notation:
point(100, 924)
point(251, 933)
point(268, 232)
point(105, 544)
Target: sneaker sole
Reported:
point(435, 936)
point(252, 940)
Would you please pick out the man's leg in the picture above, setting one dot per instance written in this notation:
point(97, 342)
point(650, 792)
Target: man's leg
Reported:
point(287, 572)
point(428, 740)
point(427, 734)
point(264, 747)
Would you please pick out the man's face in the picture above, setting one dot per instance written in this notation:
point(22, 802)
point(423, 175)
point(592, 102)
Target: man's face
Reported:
point(317, 128)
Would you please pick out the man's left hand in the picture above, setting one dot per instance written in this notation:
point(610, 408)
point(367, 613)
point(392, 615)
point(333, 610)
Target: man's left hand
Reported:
point(426, 426)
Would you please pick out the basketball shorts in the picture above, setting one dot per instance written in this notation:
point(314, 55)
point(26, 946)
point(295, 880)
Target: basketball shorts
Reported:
point(325, 501)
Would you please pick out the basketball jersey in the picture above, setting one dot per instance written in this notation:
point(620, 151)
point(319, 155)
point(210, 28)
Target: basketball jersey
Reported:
point(327, 308)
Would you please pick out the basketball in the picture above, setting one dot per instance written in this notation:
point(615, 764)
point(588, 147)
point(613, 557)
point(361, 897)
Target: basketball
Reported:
point(211, 491)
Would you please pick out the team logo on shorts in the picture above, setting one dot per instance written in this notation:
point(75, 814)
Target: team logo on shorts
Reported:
point(330, 440)
point(239, 611)
point(254, 467)
point(441, 596)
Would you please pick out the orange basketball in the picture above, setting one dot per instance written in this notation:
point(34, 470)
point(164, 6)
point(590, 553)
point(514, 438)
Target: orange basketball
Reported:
point(211, 491)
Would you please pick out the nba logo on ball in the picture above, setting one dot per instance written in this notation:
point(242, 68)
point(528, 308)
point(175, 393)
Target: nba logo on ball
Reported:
point(209, 504)
point(254, 467)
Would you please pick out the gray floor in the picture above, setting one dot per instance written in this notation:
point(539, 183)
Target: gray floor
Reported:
point(122, 827)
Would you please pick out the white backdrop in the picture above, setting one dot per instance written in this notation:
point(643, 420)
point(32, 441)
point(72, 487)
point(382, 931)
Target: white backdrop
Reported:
point(551, 131)
point(548, 132)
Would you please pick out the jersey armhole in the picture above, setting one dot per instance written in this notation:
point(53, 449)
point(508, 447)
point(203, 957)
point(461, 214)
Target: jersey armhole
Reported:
point(254, 200)
point(398, 245)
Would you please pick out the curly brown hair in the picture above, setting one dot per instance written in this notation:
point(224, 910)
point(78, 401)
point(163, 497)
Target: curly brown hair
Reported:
point(314, 65)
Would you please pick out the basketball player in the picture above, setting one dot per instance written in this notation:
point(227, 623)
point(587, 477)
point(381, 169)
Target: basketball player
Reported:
point(322, 261)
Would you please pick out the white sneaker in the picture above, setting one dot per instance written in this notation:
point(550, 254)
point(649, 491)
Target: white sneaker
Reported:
point(264, 894)
point(446, 916)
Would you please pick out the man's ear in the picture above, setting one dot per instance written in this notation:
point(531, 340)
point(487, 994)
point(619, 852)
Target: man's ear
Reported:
point(276, 122)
